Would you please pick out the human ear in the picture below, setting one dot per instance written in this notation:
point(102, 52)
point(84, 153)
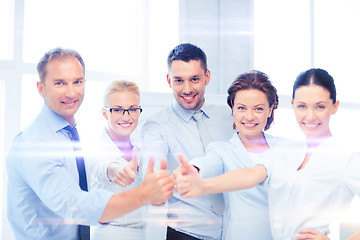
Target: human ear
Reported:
point(335, 107)
point(104, 113)
point(207, 77)
point(168, 79)
point(40, 87)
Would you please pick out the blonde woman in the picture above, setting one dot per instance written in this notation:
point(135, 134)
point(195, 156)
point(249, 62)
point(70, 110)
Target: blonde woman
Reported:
point(115, 166)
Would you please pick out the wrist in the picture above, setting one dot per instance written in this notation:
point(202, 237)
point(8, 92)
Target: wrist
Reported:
point(112, 170)
point(143, 196)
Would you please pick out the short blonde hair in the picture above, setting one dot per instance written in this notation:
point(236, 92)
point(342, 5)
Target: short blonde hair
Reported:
point(120, 86)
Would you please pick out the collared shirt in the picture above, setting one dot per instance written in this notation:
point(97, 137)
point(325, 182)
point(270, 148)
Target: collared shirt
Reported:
point(314, 196)
point(101, 153)
point(246, 213)
point(173, 131)
point(44, 197)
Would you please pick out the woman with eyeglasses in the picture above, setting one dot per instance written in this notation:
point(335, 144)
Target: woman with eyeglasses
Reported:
point(305, 194)
point(113, 159)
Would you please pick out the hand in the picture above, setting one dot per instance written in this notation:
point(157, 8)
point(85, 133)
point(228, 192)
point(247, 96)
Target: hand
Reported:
point(309, 234)
point(157, 187)
point(187, 179)
point(124, 176)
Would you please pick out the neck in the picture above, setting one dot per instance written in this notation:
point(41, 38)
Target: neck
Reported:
point(313, 142)
point(254, 144)
point(119, 140)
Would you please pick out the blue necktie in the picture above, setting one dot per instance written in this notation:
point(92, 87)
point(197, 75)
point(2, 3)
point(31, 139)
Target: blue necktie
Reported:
point(217, 200)
point(84, 231)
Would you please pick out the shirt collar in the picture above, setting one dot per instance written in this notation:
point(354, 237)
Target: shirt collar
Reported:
point(185, 114)
point(54, 120)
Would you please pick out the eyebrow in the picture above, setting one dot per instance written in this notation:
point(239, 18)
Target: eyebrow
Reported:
point(260, 104)
point(321, 102)
point(118, 106)
point(178, 77)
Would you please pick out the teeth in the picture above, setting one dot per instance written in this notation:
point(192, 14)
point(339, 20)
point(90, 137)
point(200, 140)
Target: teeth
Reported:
point(125, 124)
point(249, 124)
point(188, 98)
point(310, 125)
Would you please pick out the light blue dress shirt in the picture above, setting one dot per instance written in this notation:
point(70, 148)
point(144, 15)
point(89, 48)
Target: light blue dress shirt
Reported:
point(246, 213)
point(44, 197)
point(173, 131)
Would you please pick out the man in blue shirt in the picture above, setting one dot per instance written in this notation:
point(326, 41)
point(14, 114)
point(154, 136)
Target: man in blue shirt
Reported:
point(44, 197)
point(174, 130)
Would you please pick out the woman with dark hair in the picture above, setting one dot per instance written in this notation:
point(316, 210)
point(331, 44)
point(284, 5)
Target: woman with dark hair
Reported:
point(306, 193)
point(253, 100)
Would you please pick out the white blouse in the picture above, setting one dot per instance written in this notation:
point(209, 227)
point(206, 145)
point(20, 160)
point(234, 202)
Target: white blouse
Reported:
point(315, 195)
point(100, 154)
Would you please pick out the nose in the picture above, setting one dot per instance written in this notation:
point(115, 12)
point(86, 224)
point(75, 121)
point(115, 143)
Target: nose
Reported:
point(126, 115)
point(187, 87)
point(69, 93)
point(310, 115)
point(249, 115)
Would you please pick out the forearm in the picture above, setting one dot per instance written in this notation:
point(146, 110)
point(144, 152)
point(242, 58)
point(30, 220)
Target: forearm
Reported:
point(355, 237)
point(123, 203)
point(240, 178)
point(156, 188)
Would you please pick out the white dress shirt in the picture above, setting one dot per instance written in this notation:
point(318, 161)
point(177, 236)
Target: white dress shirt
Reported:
point(314, 196)
point(100, 154)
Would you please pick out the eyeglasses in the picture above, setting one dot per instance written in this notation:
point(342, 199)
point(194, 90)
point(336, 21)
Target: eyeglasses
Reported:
point(121, 111)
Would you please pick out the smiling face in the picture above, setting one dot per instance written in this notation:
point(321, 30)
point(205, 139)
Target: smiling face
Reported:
point(188, 81)
point(121, 125)
point(251, 111)
point(63, 87)
point(313, 108)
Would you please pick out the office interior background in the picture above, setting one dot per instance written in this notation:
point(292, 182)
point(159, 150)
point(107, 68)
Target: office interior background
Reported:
point(121, 39)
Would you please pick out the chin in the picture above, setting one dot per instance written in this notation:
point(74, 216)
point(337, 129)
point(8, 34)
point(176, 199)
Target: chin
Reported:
point(188, 106)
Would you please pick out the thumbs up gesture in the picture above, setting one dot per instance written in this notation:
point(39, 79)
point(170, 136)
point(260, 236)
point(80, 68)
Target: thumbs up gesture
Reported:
point(124, 176)
point(157, 187)
point(187, 180)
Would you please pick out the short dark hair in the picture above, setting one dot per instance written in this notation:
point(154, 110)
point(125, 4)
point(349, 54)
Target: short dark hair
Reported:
point(186, 52)
point(259, 81)
point(56, 53)
point(318, 77)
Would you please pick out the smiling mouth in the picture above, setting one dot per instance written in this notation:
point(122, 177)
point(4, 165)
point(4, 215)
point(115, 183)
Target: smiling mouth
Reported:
point(311, 125)
point(189, 98)
point(250, 125)
point(125, 125)
point(69, 103)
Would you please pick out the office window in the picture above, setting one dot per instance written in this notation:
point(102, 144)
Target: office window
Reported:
point(282, 40)
point(336, 44)
point(106, 33)
point(2, 150)
point(31, 100)
point(6, 26)
point(117, 39)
